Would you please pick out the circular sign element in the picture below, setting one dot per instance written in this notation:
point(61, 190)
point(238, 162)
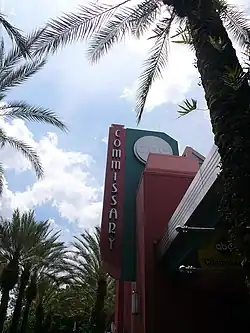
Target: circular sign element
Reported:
point(151, 144)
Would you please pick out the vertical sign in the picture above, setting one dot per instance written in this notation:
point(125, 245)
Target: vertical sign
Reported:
point(112, 214)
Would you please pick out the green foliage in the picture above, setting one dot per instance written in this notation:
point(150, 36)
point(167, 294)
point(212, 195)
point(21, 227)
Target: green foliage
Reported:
point(217, 43)
point(154, 65)
point(189, 106)
point(185, 36)
point(234, 77)
point(135, 20)
point(15, 70)
point(62, 288)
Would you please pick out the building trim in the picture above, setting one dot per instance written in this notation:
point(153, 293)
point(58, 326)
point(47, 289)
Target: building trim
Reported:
point(202, 182)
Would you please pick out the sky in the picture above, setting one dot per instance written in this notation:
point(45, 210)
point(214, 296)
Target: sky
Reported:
point(89, 98)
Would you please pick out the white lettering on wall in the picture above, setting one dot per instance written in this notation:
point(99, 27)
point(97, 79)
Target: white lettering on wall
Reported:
point(113, 214)
point(115, 165)
point(116, 153)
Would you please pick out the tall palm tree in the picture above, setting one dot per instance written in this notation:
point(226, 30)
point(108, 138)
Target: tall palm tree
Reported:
point(42, 256)
point(8, 280)
point(72, 303)
point(47, 291)
point(10, 252)
point(26, 245)
point(15, 70)
point(89, 271)
point(42, 282)
point(207, 25)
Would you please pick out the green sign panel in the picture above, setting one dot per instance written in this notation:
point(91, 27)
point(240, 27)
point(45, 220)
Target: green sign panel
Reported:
point(138, 144)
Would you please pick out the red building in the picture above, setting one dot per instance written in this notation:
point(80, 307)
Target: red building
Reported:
point(160, 224)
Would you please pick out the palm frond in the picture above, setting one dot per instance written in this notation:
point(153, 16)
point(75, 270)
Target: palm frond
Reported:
point(2, 96)
point(154, 64)
point(187, 107)
point(184, 34)
point(128, 20)
point(16, 76)
point(15, 35)
point(25, 149)
point(74, 26)
point(1, 178)
point(24, 111)
point(2, 53)
point(235, 21)
point(14, 55)
point(147, 14)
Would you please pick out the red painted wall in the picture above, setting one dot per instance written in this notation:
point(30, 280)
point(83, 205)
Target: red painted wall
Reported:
point(200, 303)
point(186, 303)
point(119, 307)
point(164, 182)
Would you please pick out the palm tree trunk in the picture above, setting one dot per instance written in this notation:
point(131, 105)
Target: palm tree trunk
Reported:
point(3, 308)
point(25, 316)
point(39, 318)
point(98, 314)
point(229, 112)
point(18, 306)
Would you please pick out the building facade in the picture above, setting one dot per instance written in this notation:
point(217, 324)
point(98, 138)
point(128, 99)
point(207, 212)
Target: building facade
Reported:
point(162, 240)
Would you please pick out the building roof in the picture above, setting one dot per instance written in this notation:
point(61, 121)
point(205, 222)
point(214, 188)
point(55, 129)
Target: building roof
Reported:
point(197, 192)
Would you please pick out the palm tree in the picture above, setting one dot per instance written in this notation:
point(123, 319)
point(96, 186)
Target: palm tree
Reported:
point(60, 297)
point(8, 279)
point(43, 281)
point(10, 251)
point(89, 271)
point(42, 256)
point(47, 290)
point(15, 70)
point(204, 24)
point(26, 246)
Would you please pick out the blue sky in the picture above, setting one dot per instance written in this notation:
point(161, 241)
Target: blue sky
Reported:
point(89, 98)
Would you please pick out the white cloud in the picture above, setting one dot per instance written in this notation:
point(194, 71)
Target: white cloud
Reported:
point(178, 77)
point(177, 80)
point(105, 140)
point(68, 184)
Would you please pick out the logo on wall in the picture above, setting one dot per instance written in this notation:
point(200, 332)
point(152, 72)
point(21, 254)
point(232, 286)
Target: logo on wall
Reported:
point(224, 246)
point(219, 252)
point(151, 144)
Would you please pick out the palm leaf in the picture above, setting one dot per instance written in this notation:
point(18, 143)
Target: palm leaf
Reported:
point(147, 14)
point(25, 149)
point(134, 20)
point(2, 53)
point(1, 178)
point(235, 21)
point(15, 76)
point(14, 55)
point(74, 26)
point(24, 111)
point(15, 35)
point(88, 270)
point(184, 33)
point(188, 107)
point(154, 64)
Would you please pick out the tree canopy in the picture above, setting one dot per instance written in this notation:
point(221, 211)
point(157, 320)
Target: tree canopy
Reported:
point(51, 286)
